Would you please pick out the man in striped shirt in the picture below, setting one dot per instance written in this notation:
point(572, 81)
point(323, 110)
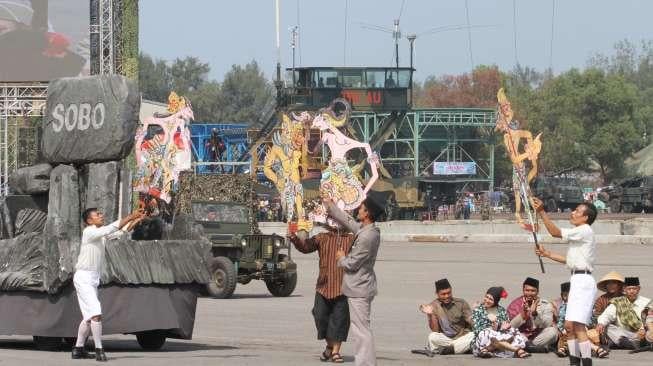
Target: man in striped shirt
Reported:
point(331, 311)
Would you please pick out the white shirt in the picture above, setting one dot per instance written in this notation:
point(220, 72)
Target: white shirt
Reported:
point(609, 315)
point(91, 252)
point(582, 247)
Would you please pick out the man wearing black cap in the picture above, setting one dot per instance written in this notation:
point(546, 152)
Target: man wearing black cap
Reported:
point(450, 320)
point(359, 281)
point(580, 260)
point(533, 317)
point(621, 320)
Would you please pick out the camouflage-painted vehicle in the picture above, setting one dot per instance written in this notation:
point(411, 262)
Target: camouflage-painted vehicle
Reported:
point(223, 206)
point(630, 195)
point(558, 192)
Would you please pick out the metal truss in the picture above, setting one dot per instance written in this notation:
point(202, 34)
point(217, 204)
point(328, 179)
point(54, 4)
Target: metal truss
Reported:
point(18, 140)
point(423, 136)
point(19, 102)
point(106, 37)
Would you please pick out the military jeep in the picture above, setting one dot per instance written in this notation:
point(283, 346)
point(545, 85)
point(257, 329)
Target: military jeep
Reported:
point(558, 192)
point(238, 255)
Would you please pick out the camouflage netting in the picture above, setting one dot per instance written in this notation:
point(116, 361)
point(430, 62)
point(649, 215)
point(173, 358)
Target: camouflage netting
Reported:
point(219, 187)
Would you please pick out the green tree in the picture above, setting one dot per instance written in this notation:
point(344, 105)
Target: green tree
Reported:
point(188, 74)
point(245, 91)
point(586, 117)
point(154, 78)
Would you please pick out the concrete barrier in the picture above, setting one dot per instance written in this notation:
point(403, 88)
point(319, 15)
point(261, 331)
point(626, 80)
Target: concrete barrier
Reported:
point(632, 231)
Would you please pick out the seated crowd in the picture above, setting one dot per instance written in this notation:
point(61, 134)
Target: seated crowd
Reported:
point(621, 319)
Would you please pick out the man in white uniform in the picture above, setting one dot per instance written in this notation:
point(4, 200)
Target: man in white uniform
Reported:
point(87, 277)
point(580, 260)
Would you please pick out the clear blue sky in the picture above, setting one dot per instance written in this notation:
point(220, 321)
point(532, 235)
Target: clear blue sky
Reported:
point(224, 33)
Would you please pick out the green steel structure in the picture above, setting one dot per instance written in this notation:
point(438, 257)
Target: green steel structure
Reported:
point(411, 142)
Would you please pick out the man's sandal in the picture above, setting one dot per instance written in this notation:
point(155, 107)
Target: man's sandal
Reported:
point(485, 353)
point(602, 352)
point(337, 358)
point(521, 353)
point(326, 355)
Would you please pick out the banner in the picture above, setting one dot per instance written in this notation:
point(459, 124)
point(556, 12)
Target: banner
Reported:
point(448, 168)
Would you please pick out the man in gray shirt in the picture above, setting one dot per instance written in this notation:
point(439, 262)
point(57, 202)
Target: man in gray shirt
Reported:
point(359, 282)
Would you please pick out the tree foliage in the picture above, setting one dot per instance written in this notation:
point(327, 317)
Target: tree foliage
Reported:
point(239, 98)
point(476, 90)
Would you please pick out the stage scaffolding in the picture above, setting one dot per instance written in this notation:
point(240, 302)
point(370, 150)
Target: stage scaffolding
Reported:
point(23, 104)
point(423, 136)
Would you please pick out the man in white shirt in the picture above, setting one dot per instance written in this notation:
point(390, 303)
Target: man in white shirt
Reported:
point(580, 260)
point(87, 277)
point(621, 320)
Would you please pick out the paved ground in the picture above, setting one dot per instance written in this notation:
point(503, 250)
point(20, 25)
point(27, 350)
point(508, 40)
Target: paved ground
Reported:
point(255, 329)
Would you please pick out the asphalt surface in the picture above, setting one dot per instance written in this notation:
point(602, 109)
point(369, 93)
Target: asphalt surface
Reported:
point(254, 328)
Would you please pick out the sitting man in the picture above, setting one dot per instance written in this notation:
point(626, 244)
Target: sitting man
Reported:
point(563, 350)
point(621, 320)
point(533, 317)
point(450, 320)
point(613, 286)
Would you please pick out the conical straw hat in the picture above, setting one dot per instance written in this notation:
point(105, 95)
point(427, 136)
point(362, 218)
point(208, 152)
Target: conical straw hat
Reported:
point(612, 276)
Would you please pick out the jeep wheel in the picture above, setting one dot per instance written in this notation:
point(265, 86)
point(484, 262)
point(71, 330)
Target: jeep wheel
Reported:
point(285, 284)
point(551, 205)
point(223, 278)
point(47, 343)
point(615, 205)
point(282, 287)
point(151, 340)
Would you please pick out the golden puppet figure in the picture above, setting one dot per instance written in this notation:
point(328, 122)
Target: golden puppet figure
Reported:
point(282, 166)
point(512, 137)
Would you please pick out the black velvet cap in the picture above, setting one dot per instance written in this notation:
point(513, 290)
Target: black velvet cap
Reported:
point(631, 281)
point(565, 287)
point(442, 284)
point(532, 282)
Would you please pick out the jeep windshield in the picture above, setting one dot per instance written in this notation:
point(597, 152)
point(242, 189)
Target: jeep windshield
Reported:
point(220, 212)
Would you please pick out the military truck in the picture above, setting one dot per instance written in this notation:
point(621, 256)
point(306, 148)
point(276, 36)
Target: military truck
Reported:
point(400, 196)
point(224, 206)
point(558, 192)
point(630, 195)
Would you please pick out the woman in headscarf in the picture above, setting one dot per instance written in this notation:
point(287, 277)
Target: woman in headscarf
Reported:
point(493, 335)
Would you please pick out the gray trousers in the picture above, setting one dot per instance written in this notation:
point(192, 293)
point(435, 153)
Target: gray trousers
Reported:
point(616, 333)
point(547, 337)
point(360, 330)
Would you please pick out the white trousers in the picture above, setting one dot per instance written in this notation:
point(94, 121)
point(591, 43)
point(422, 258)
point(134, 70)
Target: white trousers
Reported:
point(460, 345)
point(86, 284)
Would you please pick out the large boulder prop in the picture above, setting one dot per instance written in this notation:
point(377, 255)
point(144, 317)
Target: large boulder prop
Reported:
point(31, 180)
point(30, 221)
point(63, 227)
point(100, 128)
point(160, 262)
point(102, 188)
point(22, 263)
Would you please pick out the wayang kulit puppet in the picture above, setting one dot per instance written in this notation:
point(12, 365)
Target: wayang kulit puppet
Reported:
point(163, 150)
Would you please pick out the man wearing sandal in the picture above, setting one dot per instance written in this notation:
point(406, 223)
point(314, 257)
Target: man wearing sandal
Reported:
point(330, 310)
point(450, 320)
